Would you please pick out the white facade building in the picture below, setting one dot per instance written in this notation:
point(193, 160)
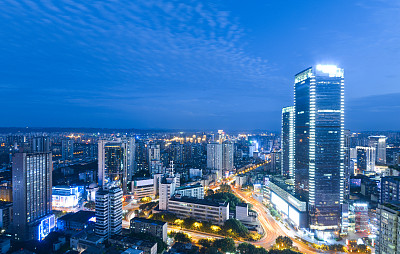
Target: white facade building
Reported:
point(195, 172)
point(142, 188)
point(183, 207)
point(109, 212)
point(379, 143)
point(65, 196)
point(166, 191)
point(193, 191)
point(214, 156)
point(154, 153)
point(227, 155)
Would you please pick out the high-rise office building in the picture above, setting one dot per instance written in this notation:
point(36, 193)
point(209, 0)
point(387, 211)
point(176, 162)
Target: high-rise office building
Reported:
point(141, 156)
point(390, 189)
point(287, 141)
point(130, 155)
point(214, 156)
point(40, 144)
point(108, 212)
point(389, 229)
point(154, 153)
point(227, 155)
point(32, 195)
point(365, 159)
point(275, 165)
point(348, 166)
point(379, 143)
point(112, 164)
point(319, 144)
point(67, 149)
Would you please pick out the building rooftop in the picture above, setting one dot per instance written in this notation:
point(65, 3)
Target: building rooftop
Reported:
point(133, 240)
point(154, 222)
point(197, 185)
point(198, 201)
point(5, 204)
point(80, 217)
point(394, 206)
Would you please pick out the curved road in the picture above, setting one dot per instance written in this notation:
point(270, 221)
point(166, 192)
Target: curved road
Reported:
point(271, 227)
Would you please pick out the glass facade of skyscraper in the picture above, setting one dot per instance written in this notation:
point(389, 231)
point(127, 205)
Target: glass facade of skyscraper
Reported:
point(319, 143)
point(287, 138)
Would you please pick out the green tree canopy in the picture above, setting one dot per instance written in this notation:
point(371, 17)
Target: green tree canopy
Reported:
point(181, 237)
point(236, 226)
point(225, 244)
point(284, 242)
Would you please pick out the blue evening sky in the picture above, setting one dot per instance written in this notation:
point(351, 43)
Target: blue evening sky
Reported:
point(192, 64)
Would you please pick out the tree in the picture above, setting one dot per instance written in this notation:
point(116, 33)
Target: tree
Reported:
point(181, 237)
point(212, 250)
point(287, 251)
point(236, 227)
point(188, 223)
point(225, 197)
point(167, 217)
point(247, 248)
point(225, 244)
point(363, 248)
point(207, 243)
point(283, 242)
point(225, 188)
point(209, 192)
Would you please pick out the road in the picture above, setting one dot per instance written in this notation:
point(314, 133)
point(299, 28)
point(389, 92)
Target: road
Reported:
point(271, 228)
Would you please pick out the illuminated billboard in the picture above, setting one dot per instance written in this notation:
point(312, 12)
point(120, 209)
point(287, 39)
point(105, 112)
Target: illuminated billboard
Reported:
point(46, 225)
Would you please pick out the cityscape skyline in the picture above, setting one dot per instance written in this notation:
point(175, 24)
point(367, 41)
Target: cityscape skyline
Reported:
point(235, 62)
point(159, 126)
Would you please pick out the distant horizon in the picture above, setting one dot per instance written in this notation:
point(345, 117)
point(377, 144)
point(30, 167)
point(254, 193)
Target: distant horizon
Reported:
point(155, 130)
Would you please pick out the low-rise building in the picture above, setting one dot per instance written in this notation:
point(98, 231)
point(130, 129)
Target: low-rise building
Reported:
point(135, 243)
point(143, 187)
point(285, 201)
point(5, 214)
point(240, 180)
point(88, 241)
point(73, 222)
point(65, 196)
point(195, 173)
point(243, 214)
point(5, 244)
point(192, 191)
point(200, 209)
point(153, 227)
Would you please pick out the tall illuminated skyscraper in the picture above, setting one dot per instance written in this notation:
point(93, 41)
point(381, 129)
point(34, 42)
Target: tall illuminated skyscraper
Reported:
point(112, 164)
point(287, 158)
point(319, 144)
point(67, 149)
point(227, 155)
point(214, 156)
point(379, 143)
point(32, 188)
